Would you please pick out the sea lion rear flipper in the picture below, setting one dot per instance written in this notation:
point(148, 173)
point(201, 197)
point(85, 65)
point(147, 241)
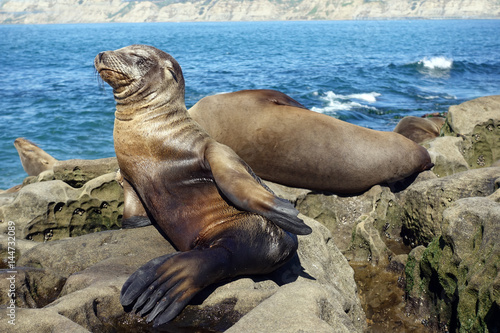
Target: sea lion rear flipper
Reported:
point(165, 285)
point(245, 190)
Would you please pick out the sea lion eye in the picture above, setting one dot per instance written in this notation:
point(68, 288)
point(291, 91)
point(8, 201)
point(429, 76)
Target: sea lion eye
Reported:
point(171, 70)
point(139, 60)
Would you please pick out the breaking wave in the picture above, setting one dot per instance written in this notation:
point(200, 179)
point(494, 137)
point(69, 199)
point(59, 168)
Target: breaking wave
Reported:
point(336, 102)
point(436, 63)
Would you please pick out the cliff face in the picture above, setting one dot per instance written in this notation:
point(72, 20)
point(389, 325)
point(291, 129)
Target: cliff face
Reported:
point(87, 11)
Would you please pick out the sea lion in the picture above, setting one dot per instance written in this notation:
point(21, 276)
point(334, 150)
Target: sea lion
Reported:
point(33, 158)
point(284, 142)
point(199, 192)
point(420, 129)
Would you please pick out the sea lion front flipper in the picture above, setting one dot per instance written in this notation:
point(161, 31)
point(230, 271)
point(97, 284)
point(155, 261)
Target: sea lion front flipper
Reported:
point(136, 222)
point(134, 213)
point(245, 190)
point(165, 285)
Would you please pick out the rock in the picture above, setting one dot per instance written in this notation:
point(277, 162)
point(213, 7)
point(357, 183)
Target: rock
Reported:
point(7, 198)
point(371, 240)
point(40, 320)
point(461, 268)
point(95, 266)
point(289, 193)
point(54, 210)
point(446, 156)
point(340, 214)
point(318, 312)
point(78, 172)
point(21, 245)
point(478, 123)
point(452, 280)
point(425, 202)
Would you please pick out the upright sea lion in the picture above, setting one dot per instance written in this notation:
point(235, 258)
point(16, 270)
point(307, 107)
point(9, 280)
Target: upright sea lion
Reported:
point(198, 191)
point(285, 143)
point(33, 158)
point(420, 129)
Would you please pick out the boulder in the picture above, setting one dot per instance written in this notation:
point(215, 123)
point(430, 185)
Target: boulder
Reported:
point(42, 321)
point(93, 268)
point(478, 123)
point(446, 156)
point(424, 202)
point(54, 210)
point(456, 279)
point(340, 214)
point(451, 273)
point(77, 172)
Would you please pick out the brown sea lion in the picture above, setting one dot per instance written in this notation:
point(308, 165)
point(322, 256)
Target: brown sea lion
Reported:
point(198, 191)
point(33, 158)
point(285, 143)
point(420, 129)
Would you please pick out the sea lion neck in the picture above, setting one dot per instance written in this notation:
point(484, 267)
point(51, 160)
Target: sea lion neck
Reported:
point(145, 112)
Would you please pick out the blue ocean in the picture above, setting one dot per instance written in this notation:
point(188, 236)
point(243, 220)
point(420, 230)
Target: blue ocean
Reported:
point(370, 73)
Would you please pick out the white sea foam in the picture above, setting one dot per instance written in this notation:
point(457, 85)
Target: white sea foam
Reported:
point(446, 96)
point(338, 102)
point(368, 97)
point(428, 97)
point(440, 62)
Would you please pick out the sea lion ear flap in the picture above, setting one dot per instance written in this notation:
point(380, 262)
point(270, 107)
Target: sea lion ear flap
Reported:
point(234, 178)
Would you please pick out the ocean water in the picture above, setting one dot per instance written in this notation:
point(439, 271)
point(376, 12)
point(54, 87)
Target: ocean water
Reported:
point(370, 73)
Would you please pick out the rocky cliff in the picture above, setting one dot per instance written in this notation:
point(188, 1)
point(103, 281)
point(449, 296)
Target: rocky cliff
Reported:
point(91, 11)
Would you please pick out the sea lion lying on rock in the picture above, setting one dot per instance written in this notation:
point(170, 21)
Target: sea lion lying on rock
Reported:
point(199, 192)
point(420, 129)
point(284, 142)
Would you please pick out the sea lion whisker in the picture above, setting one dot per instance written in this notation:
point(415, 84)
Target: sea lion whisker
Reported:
point(99, 79)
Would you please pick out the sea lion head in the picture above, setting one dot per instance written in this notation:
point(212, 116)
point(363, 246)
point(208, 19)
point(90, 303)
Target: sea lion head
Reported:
point(141, 75)
point(33, 158)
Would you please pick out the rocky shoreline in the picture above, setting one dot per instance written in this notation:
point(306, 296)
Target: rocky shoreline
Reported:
point(425, 253)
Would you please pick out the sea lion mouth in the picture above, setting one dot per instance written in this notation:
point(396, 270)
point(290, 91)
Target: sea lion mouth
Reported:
point(100, 70)
point(102, 65)
point(112, 76)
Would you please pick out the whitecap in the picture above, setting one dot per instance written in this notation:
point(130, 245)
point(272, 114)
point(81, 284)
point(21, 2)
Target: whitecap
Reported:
point(440, 63)
point(367, 97)
point(337, 102)
point(427, 97)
